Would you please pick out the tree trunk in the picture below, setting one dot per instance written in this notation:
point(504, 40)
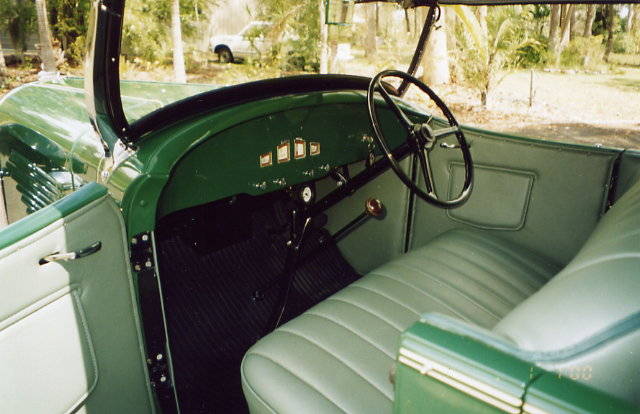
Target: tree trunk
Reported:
point(630, 18)
point(482, 19)
point(406, 21)
point(588, 23)
point(370, 39)
point(44, 35)
point(573, 29)
point(176, 36)
point(609, 26)
point(324, 39)
point(436, 60)
point(3, 69)
point(565, 26)
point(554, 25)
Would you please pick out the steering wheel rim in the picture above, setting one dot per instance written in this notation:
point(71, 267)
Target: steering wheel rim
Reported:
point(422, 137)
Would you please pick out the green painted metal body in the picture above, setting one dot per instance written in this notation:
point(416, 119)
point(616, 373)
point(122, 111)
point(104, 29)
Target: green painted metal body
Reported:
point(470, 360)
point(48, 215)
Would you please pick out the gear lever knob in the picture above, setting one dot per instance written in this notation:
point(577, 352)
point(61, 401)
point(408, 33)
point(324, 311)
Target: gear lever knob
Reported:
point(374, 207)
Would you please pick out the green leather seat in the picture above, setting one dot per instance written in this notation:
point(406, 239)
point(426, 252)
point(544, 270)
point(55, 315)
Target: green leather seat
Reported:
point(337, 356)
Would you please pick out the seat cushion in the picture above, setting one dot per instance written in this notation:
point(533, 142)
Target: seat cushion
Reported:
point(337, 356)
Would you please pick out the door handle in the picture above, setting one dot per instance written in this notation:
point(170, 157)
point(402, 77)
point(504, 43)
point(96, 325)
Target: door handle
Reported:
point(78, 254)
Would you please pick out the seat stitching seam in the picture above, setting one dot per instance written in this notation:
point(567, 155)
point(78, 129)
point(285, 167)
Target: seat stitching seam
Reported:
point(424, 293)
point(356, 285)
point(444, 283)
point(534, 266)
point(300, 335)
point(481, 285)
point(373, 344)
point(366, 310)
point(299, 378)
point(453, 288)
point(490, 272)
point(533, 280)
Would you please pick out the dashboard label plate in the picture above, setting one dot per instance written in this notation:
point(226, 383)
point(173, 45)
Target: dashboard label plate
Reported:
point(314, 148)
point(299, 148)
point(266, 160)
point(284, 152)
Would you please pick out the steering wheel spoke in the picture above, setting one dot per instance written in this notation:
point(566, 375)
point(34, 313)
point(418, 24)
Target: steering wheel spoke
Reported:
point(427, 174)
point(445, 132)
point(402, 117)
point(422, 138)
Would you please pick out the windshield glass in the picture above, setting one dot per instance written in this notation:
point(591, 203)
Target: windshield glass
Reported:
point(561, 72)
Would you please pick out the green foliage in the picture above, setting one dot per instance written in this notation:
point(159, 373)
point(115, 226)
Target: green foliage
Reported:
point(18, 17)
point(586, 52)
point(146, 34)
point(627, 43)
point(531, 53)
point(295, 33)
point(68, 20)
point(507, 44)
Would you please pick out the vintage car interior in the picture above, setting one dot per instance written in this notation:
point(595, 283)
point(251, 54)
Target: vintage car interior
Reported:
point(307, 244)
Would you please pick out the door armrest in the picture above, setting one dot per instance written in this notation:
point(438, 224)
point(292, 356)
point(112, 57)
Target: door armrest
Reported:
point(446, 365)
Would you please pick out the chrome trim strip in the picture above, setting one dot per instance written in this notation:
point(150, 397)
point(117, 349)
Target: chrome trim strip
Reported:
point(531, 409)
point(461, 382)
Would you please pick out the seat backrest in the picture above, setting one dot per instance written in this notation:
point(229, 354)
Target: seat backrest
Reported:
point(585, 323)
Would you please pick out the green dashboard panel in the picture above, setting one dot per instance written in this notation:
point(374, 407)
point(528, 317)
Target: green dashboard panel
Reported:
point(275, 151)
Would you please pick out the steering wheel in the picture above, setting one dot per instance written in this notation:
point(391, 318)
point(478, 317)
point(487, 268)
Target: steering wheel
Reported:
point(421, 137)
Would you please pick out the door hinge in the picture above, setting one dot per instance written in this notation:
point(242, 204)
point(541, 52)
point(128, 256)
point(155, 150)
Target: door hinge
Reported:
point(153, 322)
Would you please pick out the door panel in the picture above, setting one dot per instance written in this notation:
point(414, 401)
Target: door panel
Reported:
point(543, 195)
point(69, 331)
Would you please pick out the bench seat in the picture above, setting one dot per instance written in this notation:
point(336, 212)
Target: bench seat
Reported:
point(346, 345)
point(336, 357)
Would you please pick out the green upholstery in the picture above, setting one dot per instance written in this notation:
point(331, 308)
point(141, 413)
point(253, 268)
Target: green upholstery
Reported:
point(337, 356)
point(70, 339)
point(588, 316)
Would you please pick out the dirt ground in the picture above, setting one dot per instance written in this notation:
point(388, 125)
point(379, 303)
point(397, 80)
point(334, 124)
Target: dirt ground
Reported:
point(588, 108)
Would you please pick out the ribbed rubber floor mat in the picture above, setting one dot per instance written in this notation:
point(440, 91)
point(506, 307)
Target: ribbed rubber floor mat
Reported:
point(212, 319)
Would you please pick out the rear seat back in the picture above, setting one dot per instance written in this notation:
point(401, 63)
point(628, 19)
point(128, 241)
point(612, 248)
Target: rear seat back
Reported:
point(585, 323)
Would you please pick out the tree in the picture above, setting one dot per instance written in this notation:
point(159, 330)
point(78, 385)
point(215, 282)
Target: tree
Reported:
point(573, 22)
point(609, 25)
point(554, 25)
point(146, 36)
point(631, 17)
point(324, 39)
point(482, 19)
point(178, 50)
point(588, 23)
point(44, 37)
point(17, 17)
point(3, 64)
point(435, 63)
point(69, 25)
point(567, 13)
point(299, 49)
point(370, 39)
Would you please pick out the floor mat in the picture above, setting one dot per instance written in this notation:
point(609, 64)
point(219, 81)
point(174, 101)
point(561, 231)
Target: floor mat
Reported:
point(208, 285)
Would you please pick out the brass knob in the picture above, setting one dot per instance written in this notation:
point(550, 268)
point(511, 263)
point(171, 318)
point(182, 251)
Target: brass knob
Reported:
point(374, 207)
